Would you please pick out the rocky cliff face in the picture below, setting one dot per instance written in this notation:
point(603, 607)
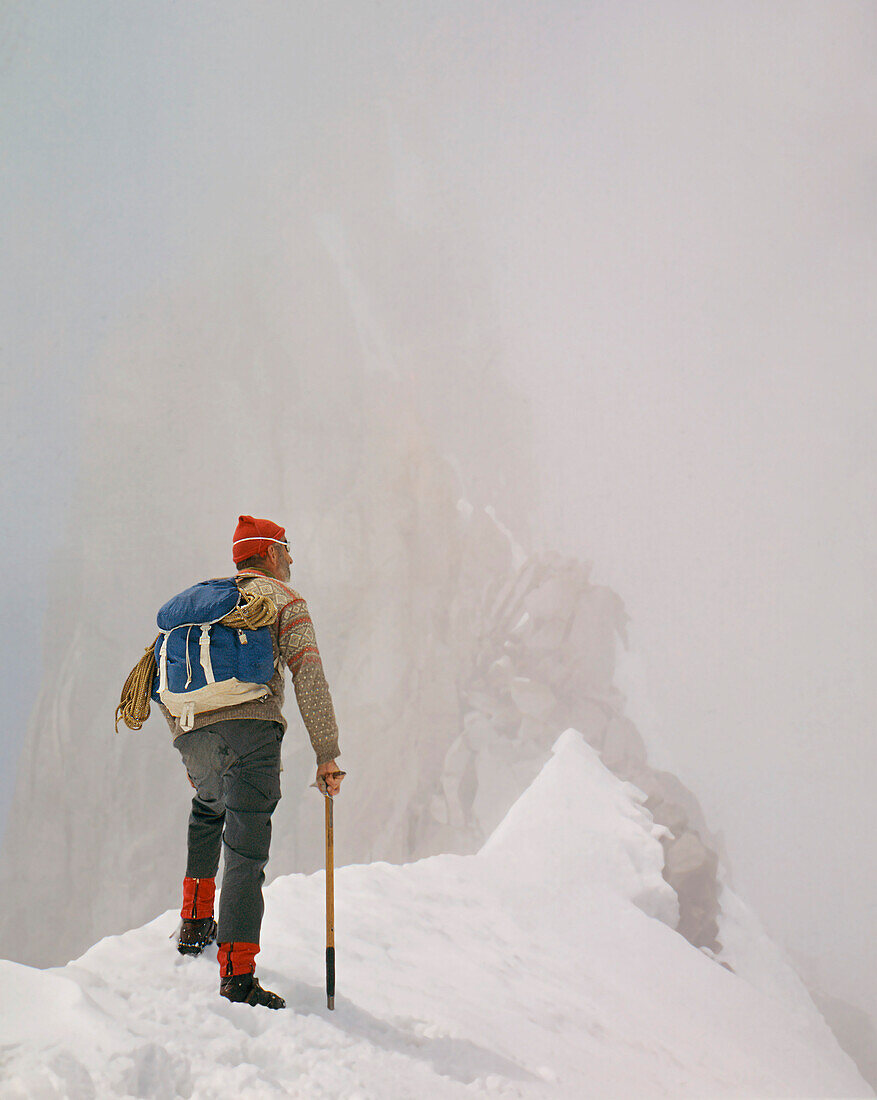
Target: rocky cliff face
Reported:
point(545, 662)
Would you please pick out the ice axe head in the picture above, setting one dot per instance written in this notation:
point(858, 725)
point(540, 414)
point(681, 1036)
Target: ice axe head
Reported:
point(320, 781)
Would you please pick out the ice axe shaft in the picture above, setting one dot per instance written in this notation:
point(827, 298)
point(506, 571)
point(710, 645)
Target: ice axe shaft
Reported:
point(321, 786)
point(330, 906)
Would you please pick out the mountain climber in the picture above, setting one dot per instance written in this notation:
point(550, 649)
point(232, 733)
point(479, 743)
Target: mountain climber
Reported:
point(232, 757)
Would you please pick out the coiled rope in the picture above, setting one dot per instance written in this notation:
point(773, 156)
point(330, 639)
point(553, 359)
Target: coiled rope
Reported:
point(254, 613)
point(133, 706)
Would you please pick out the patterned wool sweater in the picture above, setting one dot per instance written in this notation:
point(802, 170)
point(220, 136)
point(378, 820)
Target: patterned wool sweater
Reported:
point(295, 645)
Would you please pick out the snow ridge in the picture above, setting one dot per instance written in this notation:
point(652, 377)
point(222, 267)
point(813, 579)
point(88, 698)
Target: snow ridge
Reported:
point(530, 969)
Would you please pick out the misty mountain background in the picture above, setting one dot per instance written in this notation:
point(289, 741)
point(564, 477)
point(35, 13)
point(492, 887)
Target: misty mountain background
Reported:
point(610, 270)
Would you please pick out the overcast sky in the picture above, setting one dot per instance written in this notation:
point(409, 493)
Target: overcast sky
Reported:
point(676, 206)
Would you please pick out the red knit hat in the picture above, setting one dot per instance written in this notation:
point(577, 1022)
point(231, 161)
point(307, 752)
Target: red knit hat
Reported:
point(254, 536)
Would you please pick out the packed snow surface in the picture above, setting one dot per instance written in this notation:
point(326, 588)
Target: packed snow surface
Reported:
point(543, 966)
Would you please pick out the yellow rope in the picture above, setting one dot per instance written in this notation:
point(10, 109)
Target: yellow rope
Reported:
point(133, 707)
point(256, 612)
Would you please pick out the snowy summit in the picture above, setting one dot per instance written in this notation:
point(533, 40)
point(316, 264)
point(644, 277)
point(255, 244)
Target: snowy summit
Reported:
point(545, 965)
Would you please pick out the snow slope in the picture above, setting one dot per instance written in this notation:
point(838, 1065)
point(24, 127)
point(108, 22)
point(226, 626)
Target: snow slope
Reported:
point(540, 967)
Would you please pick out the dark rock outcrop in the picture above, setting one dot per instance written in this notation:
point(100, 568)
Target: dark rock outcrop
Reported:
point(546, 662)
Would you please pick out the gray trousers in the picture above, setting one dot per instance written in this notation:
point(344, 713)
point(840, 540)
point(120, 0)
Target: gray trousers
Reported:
point(234, 767)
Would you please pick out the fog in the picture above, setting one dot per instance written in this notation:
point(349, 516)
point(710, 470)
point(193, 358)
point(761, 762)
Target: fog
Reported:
point(635, 311)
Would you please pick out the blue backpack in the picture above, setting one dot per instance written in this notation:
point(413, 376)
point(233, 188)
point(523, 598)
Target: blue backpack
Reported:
point(202, 664)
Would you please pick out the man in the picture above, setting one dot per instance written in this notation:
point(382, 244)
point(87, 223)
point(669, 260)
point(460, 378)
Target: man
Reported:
point(232, 757)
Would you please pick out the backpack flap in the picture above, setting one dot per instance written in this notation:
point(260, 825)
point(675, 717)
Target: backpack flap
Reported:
point(206, 602)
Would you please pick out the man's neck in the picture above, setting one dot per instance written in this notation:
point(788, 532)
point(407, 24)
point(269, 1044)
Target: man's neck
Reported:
point(254, 569)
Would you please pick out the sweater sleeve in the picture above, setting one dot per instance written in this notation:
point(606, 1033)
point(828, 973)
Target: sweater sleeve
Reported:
point(298, 649)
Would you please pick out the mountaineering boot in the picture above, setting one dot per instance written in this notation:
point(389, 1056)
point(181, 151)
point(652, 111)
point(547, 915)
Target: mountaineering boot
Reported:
point(198, 898)
point(195, 935)
point(198, 927)
point(237, 980)
point(245, 989)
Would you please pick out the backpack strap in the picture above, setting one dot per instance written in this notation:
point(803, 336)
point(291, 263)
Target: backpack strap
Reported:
point(162, 664)
point(206, 663)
